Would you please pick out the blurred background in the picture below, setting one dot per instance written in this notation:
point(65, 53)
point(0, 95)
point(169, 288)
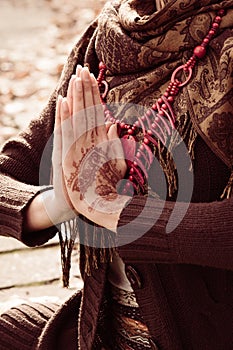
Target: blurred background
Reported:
point(36, 37)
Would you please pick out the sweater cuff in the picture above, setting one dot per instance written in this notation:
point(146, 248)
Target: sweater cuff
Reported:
point(141, 234)
point(16, 197)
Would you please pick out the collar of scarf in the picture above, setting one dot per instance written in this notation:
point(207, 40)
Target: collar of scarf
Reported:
point(141, 48)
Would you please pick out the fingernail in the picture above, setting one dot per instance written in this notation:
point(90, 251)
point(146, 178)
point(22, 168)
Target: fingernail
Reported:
point(78, 70)
point(85, 73)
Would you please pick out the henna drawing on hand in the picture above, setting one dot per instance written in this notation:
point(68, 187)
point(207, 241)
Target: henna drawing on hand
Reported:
point(108, 177)
point(73, 180)
point(97, 169)
point(97, 172)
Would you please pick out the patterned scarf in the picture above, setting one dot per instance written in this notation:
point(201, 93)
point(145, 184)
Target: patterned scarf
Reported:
point(141, 47)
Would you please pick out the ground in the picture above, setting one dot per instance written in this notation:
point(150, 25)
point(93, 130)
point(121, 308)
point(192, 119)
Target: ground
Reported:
point(36, 37)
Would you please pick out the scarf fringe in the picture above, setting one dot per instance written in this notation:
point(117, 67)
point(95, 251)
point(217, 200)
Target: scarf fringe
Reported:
point(229, 188)
point(67, 236)
point(186, 134)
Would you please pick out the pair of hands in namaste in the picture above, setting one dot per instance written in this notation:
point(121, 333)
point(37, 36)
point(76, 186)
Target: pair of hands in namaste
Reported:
point(88, 159)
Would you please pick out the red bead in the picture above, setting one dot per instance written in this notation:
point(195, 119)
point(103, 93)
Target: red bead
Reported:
point(215, 25)
point(148, 113)
point(137, 123)
point(128, 184)
point(170, 98)
point(203, 44)
point(160, 100)
point(221, 12)
point(131, 171)
point(218, 19)
point(199, 51)
point(166, 94)
point(130, 179)
point(146, 141)
point(164, 106)
point(161, 113)
point(138, 154)
point(102, 65)
point(154, 107)
point(122, 124)
point(130, 131)
point(206, 41)
point(143, 118)
point(149, 132)
point(211, 32)
point(141, 148)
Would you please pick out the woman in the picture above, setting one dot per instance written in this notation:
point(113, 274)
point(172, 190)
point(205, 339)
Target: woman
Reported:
point(152, 279)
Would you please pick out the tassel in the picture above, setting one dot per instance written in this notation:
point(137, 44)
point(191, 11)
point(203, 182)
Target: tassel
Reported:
point(228, 189)
point(67, 236)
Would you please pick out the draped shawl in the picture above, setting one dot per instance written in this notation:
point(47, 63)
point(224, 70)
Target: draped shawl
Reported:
point(141, 47)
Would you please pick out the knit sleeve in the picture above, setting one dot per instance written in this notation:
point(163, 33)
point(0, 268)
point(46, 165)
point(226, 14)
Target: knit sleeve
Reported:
point(15, 196)
point(22, 176)
point(200, 233)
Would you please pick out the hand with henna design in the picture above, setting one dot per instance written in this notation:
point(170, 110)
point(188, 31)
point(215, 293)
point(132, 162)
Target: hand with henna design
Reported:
point(92, 155)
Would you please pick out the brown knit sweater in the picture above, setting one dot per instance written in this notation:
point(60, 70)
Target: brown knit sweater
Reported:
point(183, 280)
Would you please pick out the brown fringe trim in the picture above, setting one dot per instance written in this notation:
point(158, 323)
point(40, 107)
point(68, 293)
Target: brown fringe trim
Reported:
point(67, 235)
point(229, 187)
point(98, 244)
point(185, 133)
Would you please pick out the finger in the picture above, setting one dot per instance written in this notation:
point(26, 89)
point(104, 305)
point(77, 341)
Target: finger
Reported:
point(79, 119)
point(70, 94)
point(107, 126)
point(88, 101)
point(99, 112)
point(78, 99)
point(58, 112)
point(87, 87)
point(57, 143)
point(78, 70)
point(116, 148)
point(66, 129)
point(112, 132)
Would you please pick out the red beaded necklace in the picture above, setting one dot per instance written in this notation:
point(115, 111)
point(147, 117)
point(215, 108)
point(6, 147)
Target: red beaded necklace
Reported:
point(158, 121)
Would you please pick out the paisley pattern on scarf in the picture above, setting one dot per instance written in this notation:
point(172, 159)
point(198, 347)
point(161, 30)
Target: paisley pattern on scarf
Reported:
point(221, 131)
point(141, 48)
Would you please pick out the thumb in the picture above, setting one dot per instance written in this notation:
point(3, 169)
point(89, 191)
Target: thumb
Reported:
point(112, 132)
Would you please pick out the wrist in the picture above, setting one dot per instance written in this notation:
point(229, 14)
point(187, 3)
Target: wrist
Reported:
point(45, 211)
point(58, 211)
